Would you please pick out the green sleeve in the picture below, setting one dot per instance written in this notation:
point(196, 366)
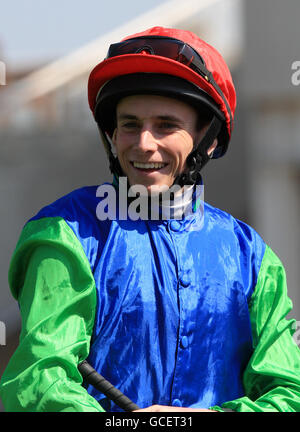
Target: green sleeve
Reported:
point(51, 278)
point(272, 376)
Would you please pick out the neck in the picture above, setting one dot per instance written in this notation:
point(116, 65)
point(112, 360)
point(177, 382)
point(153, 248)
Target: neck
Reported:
point(175, 202)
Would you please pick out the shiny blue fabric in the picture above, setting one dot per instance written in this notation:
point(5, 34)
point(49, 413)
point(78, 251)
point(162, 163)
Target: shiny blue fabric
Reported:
point(172, 324)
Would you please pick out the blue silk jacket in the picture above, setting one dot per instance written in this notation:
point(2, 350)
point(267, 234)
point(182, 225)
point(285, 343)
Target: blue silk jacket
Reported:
point(172, 324)
point(172, 312)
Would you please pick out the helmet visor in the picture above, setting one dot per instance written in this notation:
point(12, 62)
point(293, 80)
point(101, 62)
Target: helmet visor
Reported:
point(162, 46)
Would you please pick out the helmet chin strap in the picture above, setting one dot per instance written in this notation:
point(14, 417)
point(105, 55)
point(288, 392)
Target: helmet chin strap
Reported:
point(114, 164)
point(199, 156)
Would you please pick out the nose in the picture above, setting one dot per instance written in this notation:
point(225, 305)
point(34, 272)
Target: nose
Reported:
point(147, 141)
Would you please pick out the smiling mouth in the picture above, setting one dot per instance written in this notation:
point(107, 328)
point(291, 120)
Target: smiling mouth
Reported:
point(149, 165)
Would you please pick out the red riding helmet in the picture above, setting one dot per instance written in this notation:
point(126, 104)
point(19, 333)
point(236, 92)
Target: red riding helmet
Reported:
point(168, 62)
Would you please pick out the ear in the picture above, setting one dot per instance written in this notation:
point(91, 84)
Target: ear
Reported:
point(212, 147)
point(113, 138)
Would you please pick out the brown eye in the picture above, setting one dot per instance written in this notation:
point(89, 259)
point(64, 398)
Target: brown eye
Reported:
point(130, 125)
point(167, 125)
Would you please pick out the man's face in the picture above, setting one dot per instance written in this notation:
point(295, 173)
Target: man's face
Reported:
point(153, 137)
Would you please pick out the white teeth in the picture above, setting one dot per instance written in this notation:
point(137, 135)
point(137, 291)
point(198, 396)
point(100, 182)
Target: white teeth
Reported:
point(152, 165)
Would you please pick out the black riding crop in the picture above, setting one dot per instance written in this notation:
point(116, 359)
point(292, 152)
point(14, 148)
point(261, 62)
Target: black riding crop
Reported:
point(91, 376)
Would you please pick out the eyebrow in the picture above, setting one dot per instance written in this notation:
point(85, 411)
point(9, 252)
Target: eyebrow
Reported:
point(126, 117)
point(170, 118)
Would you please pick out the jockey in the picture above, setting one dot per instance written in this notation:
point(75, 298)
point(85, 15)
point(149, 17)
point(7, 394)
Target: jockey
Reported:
point(180, 313)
